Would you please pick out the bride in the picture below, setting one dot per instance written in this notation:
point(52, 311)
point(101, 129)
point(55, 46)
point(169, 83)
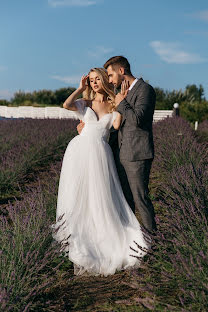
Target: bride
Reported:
point(96, 227)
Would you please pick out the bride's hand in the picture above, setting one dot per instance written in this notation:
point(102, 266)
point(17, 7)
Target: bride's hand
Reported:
point(124, 88)
point(83, 82)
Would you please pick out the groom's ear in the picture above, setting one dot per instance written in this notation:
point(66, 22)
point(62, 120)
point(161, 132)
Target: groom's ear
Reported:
point(121, 71)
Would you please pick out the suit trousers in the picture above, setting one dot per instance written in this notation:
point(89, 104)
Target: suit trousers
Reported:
point(124, 180)
point(138, 173)
point(113, 142)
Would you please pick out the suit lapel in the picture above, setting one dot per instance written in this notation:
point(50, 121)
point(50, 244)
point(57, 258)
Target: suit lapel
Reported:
point(133, 90)
point(131, 94)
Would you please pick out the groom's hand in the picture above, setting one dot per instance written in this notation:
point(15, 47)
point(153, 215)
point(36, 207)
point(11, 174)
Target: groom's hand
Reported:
point(80, 126)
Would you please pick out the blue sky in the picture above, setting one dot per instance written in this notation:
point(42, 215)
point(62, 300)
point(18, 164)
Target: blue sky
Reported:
point(49, 44)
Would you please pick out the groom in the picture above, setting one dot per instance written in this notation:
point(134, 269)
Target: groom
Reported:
point(132, 145)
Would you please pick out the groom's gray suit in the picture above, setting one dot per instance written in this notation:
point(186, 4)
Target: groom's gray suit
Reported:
point(135, 150)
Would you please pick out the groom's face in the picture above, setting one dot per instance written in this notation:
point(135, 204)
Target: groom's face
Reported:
point(115, 75)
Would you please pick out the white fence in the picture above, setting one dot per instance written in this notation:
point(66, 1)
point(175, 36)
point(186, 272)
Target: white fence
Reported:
point(162, 114)
point(36, 112)
point(57, 112)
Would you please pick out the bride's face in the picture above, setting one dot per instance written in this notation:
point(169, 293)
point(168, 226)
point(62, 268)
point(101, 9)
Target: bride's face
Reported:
point(95, 82)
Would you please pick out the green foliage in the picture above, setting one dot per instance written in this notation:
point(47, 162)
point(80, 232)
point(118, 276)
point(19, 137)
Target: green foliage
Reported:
point(4, 102)
point(46, 97)
point(194, 111)
point(62, 94)
point(194, 93)
point(166, 99)
point(193, 106)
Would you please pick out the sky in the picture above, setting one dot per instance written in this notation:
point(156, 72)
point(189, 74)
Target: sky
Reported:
point(50, 44)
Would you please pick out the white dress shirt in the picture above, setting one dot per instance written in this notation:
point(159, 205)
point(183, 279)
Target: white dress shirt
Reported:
point(133, 83)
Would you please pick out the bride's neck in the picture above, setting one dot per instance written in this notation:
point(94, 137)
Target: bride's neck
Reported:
point(99, 97)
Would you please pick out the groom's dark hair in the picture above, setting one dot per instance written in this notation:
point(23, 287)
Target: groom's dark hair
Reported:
point(121, 61)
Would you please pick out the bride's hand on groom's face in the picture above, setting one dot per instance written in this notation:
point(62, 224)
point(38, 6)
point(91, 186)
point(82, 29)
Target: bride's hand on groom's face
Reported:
point(124, 90)
point(124, 87)
point(80, 126)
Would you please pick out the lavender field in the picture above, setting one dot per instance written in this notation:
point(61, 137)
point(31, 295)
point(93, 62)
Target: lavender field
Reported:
point(34, 277)
point(27, 146)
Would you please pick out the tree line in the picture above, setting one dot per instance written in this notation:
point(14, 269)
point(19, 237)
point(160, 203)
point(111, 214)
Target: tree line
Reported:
point(39, 98)
point(193, 104)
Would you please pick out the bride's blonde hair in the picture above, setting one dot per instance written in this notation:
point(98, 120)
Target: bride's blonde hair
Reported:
point(89, 94)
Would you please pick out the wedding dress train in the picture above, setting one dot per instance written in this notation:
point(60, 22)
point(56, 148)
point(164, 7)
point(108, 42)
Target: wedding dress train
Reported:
point(95, 225)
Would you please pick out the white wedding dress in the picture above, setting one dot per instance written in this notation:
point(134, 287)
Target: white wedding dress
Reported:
point(94, 223)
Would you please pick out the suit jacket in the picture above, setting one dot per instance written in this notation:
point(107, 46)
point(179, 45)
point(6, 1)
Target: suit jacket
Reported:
point(135, 138)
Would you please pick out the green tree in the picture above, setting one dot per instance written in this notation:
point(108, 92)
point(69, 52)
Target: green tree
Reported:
point(194, 93)
point(4, 102)
point(62, 94)
point(166, 99)
point(194, 111)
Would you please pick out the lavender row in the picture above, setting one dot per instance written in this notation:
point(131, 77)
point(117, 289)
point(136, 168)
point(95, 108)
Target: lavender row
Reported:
point(28, 144)
point(176, 275)
point(30, 262)
point(203, 131)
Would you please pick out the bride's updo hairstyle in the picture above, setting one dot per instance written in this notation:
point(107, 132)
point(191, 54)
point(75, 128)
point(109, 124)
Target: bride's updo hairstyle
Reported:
point(108, 88)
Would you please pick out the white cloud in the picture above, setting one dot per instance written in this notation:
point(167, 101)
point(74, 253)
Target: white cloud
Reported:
point(6, 94)
point(100, 52)
point(170, 52)
point(68, 79)
point(70, 3)
point(202, 15)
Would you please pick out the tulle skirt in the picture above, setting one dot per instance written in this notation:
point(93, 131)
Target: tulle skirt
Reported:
point(96, 227)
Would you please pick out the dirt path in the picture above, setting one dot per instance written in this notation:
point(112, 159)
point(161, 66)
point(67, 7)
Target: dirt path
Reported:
point(97, 294)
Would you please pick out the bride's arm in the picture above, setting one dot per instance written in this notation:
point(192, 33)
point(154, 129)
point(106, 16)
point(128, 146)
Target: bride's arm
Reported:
point(117, 121)
point(124, 91)
point(70, 101)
